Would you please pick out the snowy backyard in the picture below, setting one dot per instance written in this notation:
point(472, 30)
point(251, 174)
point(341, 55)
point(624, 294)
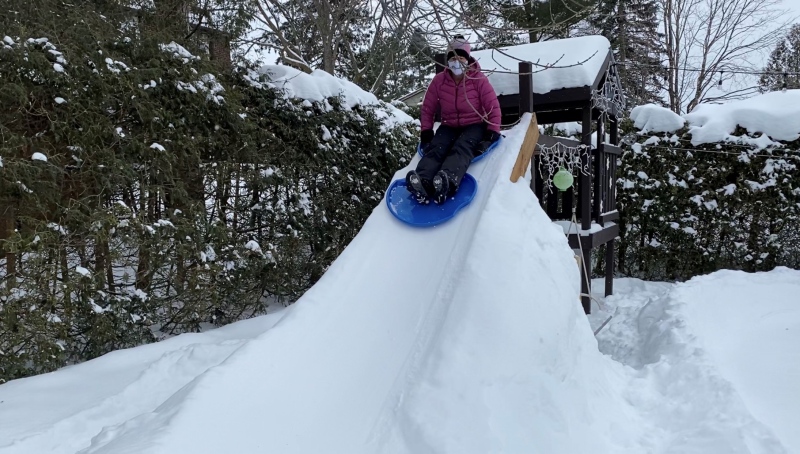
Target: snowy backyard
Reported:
point(489, 352)
point(150, 221)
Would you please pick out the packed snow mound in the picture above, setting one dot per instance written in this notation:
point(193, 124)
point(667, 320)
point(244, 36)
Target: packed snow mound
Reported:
point(562, 63)
point(467, 337)
point(655, 118)
point(320, 85)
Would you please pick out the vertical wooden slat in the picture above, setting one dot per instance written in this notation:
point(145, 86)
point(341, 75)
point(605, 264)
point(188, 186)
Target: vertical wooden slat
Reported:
point(610, 267)
point(586, 283)
point(569, 201)
point(613, 205)
point(599, 163)
point(614, 131)
point(585, 179)
point(552, 199)
point(537, 182)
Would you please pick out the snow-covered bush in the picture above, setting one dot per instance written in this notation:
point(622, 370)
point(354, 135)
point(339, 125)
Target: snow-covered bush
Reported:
point(707, 197)
point(145, 193)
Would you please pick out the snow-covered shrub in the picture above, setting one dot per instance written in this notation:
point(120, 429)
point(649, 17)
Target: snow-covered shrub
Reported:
point(693, 209)
point(144, 193)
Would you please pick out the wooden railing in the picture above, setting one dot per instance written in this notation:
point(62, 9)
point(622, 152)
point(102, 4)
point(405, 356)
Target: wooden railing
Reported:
point(601, 192)
point(604, 202)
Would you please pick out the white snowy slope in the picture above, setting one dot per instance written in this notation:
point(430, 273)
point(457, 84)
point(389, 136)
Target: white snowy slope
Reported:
point(464, 338)
point(467, 337)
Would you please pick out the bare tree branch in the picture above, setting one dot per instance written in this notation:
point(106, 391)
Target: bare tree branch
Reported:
point(705, 38)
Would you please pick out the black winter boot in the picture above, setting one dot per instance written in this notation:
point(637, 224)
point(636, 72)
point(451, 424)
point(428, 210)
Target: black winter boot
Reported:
point(441, 187)
point(416, 187)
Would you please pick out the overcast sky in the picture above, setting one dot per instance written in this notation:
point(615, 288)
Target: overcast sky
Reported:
point(793, 5)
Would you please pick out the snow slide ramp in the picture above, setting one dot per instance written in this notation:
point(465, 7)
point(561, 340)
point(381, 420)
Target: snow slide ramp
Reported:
point(467, 337)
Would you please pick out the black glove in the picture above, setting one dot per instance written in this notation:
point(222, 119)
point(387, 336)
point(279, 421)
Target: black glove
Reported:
point(491, 136)
point(426, 136)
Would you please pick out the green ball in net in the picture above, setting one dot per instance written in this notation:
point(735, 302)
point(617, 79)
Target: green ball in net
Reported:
point(563, 179)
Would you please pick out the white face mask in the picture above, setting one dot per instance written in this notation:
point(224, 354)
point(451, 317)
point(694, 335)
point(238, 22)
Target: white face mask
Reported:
point(456, 67)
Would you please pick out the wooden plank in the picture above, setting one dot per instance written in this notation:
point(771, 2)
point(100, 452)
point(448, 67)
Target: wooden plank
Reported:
point(612, 149)
point(614, 132)
point(604, 236)
point(595, 239)
point(527, 149)
point(525, 87)
point(609, 216)
point(586, 280)
point(609, 268)
point(602, 73)
point(599, 172)
point(585, 180)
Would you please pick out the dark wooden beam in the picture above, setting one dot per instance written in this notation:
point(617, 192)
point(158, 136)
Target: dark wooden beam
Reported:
point(610, 267)
point(614, 130)
point(599, 79)
point(612, 149)
point(595, 239)
point(609, 217)
point(584, 179)
point(599, 171)
point(559, 116)
point(586, 281)
point(525, 87)
point(549, 141)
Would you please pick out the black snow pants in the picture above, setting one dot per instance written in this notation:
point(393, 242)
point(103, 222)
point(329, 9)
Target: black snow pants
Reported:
point(451, 151)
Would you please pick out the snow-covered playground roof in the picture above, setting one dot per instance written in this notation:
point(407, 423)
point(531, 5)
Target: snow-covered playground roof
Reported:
point(558, 64)
point(568, 74)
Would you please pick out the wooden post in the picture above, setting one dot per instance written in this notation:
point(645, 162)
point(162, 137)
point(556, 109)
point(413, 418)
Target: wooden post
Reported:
point(525, 156)
point(441, 64)
point(525, 87)
point(599, 172)
point(585, 180)
point(610, 267)
point(586, 274)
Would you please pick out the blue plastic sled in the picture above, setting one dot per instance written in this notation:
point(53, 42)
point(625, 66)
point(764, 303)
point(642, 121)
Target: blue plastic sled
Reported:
point(476, 158)
point(403, 206)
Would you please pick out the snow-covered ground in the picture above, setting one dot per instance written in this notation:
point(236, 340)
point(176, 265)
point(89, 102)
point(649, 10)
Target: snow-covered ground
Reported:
point(464, 338)
point(714, 358)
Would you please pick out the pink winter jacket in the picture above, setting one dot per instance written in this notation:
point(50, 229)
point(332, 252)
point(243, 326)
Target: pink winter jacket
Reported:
point(458, 103)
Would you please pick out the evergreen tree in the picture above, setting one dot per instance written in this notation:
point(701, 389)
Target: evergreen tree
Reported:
point(783, 69)
point(146, 193)
point(632, 28)
point(544, 20)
